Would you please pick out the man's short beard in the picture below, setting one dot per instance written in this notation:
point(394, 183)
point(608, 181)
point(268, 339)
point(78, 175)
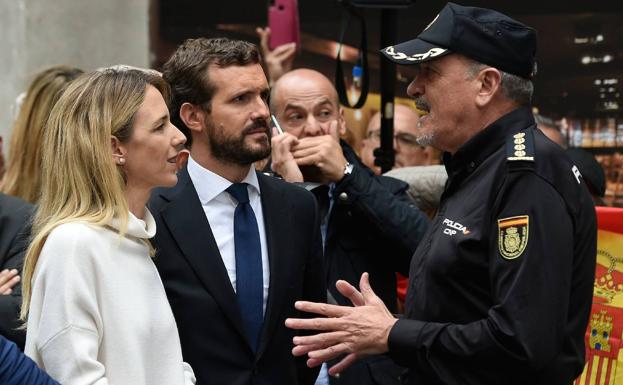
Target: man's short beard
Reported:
point(233, 149)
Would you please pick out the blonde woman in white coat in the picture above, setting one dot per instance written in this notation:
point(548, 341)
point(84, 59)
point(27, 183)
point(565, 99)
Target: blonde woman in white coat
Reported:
point(95, 307)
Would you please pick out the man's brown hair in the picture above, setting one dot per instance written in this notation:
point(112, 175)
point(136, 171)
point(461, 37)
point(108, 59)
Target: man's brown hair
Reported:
point(187, 71)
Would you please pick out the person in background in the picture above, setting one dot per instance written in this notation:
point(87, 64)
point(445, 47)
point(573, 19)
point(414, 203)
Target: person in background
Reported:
point(15, 217)
point(235, 248)
point(591, 171)
point(407, 151)
point(18, 369)
point(95, 306)
point(278, 61)
point(501, 288)
point(23, 169)
point(549, 128)
point(368, 221)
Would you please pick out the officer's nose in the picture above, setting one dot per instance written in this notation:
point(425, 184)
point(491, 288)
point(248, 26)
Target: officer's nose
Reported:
point(416, 87)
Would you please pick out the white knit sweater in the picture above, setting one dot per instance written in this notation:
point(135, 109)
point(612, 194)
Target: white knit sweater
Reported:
point(98, 312)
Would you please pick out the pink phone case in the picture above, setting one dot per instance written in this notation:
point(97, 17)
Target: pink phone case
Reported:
point(283, 20)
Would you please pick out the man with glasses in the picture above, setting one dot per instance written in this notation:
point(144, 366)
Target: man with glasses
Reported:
point(368, 222)
point(407, 151)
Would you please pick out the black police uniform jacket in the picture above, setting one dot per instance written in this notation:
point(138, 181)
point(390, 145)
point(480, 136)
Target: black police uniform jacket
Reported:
point(501, 287)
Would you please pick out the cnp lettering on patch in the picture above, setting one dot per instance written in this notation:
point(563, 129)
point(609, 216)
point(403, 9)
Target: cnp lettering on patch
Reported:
point(513, 236)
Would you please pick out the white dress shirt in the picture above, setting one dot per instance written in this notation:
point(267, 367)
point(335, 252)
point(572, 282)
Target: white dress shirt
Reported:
point(219, 208)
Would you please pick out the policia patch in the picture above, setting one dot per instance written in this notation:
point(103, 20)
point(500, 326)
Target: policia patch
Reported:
point(512, 236)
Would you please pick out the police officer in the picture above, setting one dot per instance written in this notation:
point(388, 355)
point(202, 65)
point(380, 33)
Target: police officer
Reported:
point(501, 287)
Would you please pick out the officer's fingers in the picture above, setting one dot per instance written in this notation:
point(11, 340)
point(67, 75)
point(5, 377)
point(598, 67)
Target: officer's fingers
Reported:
point(344, 363)
point(350, 292)
point(324, 309)
point(320, 324)
point(330, 352)
point(301, 350)
point(312, 363)
point(320, 340)
point(366, 289)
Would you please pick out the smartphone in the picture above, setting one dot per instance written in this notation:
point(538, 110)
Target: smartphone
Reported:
point(275, 123)
point(283, 20)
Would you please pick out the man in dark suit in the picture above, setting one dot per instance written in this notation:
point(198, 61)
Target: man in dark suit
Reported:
point(369, 222)
point(15, 215)
point(235, 248)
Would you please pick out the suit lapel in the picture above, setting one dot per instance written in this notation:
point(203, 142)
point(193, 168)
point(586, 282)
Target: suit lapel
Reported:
point(185, 218)
point(277, 220)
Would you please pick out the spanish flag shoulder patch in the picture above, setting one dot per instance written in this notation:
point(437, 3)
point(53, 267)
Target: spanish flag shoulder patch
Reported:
point(513, 236)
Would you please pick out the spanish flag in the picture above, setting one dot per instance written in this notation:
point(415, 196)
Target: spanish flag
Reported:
point(604, 356)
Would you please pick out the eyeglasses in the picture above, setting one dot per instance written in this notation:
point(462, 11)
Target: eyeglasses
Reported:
point(401, 138)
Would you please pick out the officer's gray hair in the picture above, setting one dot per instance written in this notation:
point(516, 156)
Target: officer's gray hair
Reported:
point(514, 87)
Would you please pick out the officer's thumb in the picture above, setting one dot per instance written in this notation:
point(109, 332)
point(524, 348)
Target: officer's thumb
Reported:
point(366, 289)
point(350, 292)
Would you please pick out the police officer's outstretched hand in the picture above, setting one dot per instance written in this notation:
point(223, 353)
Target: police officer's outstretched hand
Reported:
point(351, 331)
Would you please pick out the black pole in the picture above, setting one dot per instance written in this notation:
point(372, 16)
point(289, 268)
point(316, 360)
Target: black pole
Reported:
point(385, 154)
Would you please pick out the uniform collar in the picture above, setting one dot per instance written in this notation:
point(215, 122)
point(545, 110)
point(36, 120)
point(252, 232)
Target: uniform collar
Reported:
point(486, 142)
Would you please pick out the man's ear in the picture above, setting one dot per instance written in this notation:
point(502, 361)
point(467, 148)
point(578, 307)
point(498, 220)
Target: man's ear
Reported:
point(489, 81)
point(341, 129)
point(192, 116)
point(118, 151)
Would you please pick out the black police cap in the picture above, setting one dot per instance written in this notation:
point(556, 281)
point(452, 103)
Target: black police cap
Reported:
point(483, 35)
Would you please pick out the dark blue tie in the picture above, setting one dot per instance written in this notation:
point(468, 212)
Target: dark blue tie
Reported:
point(249, 282)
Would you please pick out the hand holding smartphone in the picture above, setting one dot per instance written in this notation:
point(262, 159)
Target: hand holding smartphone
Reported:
point(283, 21)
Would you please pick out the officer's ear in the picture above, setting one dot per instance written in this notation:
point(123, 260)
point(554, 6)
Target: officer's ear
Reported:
point(489, 82)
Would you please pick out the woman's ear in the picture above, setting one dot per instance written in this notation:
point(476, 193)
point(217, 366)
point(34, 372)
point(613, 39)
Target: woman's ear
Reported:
point(118, 151)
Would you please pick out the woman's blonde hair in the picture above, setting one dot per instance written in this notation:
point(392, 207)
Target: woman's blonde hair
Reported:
point(23, 173)
point(80, 180)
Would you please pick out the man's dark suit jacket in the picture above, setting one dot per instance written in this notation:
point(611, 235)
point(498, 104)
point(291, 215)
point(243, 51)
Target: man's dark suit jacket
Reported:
point(15, 216)
point(202, 297)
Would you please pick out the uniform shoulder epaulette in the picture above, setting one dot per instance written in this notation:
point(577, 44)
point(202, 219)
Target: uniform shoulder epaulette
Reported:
point(520, 146)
